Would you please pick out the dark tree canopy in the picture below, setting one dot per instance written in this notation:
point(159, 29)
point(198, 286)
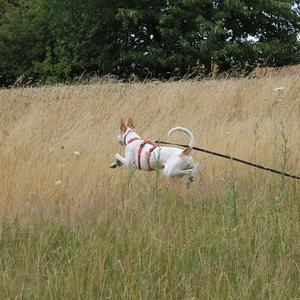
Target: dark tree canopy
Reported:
point(52, 41)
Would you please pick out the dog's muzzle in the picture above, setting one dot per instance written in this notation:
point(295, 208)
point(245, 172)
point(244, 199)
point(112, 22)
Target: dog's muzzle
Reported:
point(120, 140)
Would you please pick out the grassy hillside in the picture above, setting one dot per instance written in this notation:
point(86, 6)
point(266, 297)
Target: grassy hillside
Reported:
point(73, 228)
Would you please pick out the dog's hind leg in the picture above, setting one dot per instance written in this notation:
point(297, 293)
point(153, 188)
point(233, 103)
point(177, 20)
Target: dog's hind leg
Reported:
point(192, 175)
point(182, 173)
point(189, 173)
point(168, 172)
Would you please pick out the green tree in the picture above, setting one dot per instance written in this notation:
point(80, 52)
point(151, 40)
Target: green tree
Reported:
point(23, 40)
point(85, 38)
point(165, 38)
point(258, 32)
point(174, 38)
point(52, 40)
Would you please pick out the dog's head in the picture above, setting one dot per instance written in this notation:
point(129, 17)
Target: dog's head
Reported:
point(125, 130)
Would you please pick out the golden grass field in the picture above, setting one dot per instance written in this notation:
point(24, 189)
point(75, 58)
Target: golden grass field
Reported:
point(237, 117)
point(234, 234)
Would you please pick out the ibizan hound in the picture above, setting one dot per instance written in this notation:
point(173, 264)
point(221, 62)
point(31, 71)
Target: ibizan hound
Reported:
point(146, 156)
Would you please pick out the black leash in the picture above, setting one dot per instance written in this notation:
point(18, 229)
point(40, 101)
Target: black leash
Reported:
point(232, 158)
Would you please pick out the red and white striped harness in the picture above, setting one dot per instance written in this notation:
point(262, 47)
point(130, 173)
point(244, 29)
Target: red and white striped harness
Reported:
point(145, 142)
point(148, 154)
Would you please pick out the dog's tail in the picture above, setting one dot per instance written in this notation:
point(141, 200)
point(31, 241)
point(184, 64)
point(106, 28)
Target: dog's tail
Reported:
point(188, 150)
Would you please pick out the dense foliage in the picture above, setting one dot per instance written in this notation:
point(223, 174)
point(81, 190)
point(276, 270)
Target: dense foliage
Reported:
point(53, 40)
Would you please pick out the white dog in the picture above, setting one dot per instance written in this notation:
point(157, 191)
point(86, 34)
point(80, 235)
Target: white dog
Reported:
point(145, 155)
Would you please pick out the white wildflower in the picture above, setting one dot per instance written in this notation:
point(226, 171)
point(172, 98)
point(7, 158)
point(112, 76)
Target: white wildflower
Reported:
point(58, 182)
point(51, 150)
point(77, 153)
point(281, 88)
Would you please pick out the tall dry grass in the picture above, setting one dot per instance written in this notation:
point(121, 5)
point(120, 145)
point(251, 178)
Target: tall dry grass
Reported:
point(42, 127)
point(74, 229)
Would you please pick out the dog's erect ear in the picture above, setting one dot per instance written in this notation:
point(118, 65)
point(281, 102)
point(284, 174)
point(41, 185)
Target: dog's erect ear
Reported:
point(130, 123)
point(122, 125)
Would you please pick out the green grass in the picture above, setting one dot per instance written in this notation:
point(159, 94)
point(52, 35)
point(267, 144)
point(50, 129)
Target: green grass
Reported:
point(160, 246)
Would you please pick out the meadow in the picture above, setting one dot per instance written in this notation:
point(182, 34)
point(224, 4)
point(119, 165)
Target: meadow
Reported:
point(71, 228)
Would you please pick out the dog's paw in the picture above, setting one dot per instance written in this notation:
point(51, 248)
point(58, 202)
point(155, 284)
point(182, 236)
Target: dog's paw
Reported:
point(113, 165)
point(189, 180)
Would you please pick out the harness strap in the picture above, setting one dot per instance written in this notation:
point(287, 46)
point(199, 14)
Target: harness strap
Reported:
point(125, 136)
point(149, 153)
point(149, 156)
point(132, 140)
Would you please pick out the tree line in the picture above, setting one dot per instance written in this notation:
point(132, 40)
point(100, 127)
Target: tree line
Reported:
point(49, 41)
